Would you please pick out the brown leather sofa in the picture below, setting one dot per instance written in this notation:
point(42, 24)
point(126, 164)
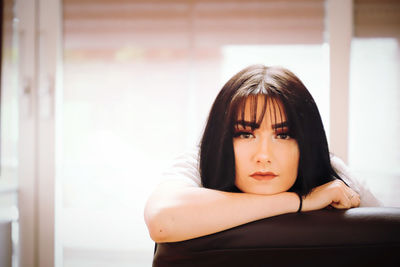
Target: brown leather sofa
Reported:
point(355, 237)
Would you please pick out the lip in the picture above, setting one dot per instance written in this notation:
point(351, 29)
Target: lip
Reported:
point(263, 176)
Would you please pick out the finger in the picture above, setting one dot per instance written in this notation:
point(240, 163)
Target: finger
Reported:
point(347, 202)
point(338, 205)
point(348, 195)
point(354, 198)
point(342, 203)
point(355, 202)
point(344, 200)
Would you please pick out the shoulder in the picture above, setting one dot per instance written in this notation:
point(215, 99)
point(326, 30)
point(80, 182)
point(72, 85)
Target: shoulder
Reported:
point(357, 184)
point(185, 168)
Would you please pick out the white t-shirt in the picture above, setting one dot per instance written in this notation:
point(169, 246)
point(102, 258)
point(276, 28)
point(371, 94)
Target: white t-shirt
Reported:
point(186, 168)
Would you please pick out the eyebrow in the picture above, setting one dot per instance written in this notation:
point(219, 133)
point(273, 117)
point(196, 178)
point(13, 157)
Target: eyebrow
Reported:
point(282, 124)
point(245, 124)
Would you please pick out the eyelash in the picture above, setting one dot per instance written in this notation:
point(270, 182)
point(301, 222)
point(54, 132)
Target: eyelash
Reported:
point(240, 134)
point(286, 134)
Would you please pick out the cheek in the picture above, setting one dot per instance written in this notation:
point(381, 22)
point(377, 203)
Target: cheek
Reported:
point(295, 155)
point(293, 163)
point(241, 152)
point(289, 159)
point(238, 152)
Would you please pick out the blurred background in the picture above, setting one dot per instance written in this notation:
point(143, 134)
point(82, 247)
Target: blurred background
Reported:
point(99, 96)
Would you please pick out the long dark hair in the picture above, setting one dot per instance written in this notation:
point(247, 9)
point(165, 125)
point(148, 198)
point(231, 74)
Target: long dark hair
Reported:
point(217, 161)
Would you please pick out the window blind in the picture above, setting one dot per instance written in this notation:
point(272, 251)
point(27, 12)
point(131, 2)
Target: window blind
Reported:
point(377, 18)
point(104, 25)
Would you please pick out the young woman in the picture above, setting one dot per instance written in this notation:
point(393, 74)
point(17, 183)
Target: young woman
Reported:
point(263, 153)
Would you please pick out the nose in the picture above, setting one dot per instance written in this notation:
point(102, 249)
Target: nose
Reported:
point(263, 152)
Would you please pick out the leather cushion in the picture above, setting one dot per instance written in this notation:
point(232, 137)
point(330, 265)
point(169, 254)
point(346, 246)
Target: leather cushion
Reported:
point(354, 237)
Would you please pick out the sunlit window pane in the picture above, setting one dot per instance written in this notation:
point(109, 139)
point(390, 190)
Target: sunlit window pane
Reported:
point(374, 147)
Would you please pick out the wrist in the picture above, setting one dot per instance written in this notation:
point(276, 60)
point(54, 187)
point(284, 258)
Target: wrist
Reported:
point(300, 206)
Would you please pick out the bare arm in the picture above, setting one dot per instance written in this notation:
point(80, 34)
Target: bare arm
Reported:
point(177, 211)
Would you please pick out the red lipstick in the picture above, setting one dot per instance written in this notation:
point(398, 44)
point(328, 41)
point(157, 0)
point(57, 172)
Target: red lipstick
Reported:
point(263, 176)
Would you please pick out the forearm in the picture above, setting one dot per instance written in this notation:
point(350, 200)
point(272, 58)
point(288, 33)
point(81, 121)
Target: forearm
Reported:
point(190, 212)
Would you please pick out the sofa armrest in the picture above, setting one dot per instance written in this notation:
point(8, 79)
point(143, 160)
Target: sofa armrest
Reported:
point(354, 237)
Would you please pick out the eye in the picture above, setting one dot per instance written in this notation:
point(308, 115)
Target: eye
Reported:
point(244, 135)
point(283, 136)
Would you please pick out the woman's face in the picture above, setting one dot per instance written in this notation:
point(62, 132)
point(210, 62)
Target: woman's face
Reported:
point(266, 158)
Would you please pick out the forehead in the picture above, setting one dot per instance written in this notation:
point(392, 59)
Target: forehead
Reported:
point(258, 108)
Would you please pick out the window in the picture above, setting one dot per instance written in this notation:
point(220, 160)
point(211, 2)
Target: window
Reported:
point(374, 147)
point(139, 80)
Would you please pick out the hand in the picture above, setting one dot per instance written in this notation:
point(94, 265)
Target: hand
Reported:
point(335, 193)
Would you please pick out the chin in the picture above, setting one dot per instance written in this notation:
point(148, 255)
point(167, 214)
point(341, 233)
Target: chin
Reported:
point(262, 191)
